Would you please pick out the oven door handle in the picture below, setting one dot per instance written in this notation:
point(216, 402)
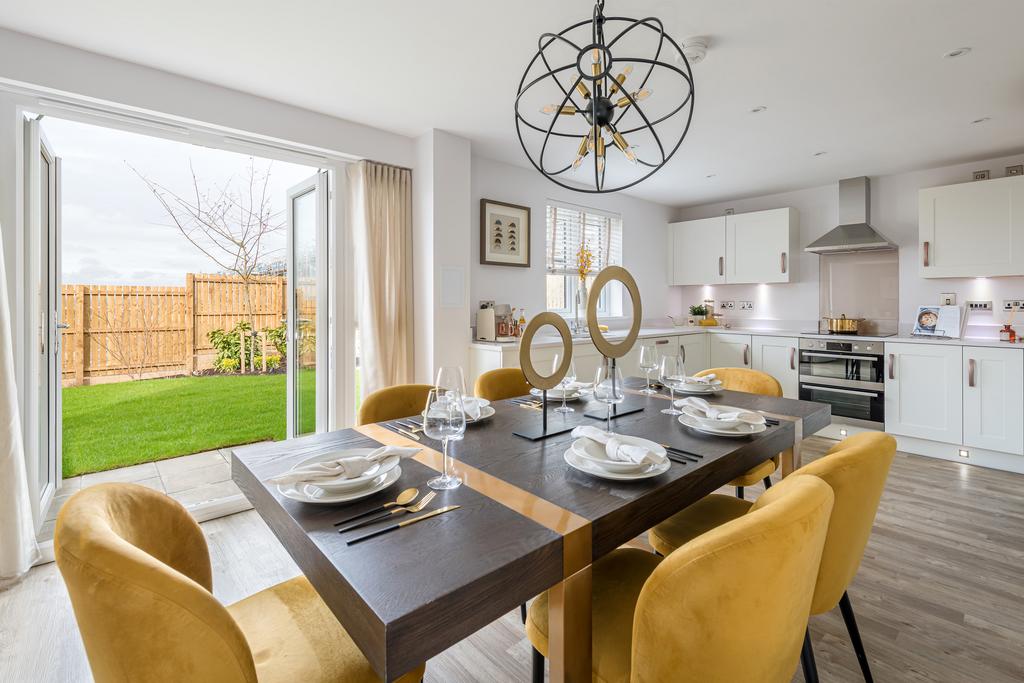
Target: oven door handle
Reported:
point(871, 394)
point(815, 354)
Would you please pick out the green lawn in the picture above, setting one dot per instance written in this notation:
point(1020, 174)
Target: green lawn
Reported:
point(114, 425)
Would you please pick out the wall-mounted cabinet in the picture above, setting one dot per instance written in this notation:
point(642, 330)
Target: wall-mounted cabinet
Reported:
point(746, 248)
point(972, 229)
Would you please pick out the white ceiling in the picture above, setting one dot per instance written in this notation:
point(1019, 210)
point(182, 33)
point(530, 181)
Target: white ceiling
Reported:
point(863, 80)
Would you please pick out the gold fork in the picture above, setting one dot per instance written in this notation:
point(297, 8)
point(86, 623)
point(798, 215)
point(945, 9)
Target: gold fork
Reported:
point(398, 510)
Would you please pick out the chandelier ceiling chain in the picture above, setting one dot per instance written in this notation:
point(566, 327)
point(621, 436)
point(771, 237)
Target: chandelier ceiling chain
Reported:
point(597, 102)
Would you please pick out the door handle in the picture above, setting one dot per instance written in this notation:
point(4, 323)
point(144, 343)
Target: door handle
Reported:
point(746, 354)
point(792, 358)
point(63, 326)
point(926, 259)
point(970, 372)
point(783, 262)
point(721, 265)
point(892, 366)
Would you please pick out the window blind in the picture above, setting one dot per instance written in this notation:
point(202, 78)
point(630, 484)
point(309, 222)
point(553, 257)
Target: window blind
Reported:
point(568, 227)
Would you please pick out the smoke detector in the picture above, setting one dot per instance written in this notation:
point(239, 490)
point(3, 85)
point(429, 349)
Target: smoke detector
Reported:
point(695, 48)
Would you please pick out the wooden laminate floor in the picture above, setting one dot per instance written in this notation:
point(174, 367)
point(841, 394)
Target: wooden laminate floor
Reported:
point(939, 596)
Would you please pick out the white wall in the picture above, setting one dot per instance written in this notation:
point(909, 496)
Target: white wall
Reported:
point(643, 227)
point(893, 213)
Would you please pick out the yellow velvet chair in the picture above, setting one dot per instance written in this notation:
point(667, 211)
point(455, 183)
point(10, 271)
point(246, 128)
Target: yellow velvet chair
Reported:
point(752, 382)
point(702, 614)
point(856, 469)
point(138, 571)
point(392, 403)
point(497, 385)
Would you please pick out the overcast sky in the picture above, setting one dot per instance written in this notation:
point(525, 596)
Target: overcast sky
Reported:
point(114, 231)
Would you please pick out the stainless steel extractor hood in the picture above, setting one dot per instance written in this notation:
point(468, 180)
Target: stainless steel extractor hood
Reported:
point(854, 232)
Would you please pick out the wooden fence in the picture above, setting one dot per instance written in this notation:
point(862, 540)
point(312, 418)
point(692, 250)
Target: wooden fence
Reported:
point(115, 333)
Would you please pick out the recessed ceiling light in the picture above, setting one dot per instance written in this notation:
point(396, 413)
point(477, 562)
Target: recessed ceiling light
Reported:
point(758, 109)
point(820, 154)
point(983, 119)
point(959, 52)
point(711, 175)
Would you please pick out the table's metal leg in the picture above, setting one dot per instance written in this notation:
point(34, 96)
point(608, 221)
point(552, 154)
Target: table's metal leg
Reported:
point(569, 629)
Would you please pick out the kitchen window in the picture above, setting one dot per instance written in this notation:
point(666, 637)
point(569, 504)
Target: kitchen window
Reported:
point(568, 228)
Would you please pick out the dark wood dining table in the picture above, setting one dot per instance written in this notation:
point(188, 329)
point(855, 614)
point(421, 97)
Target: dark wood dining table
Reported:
point(528, 522)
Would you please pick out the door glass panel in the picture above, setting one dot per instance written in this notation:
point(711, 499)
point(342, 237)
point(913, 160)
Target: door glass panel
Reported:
point(44, 472)
point(304, 217)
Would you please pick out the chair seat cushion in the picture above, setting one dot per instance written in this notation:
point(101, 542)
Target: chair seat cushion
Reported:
point(295, 637)
point(616, 583)
point(703, 516)
point(755, 474)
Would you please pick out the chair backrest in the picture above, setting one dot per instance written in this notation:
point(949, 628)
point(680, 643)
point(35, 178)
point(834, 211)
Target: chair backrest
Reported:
point(391, 403)
point(497, 385)
point(856, 468)
point(138, 571)
point(732, 604)
point(744, 379)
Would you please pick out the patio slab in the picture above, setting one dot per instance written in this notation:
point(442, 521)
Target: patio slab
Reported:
point(199, 476)
point(175, 466)
point(133, 473)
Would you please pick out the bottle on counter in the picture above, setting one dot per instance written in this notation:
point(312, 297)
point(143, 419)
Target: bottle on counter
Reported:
point(1008, 334)
point(522, 321)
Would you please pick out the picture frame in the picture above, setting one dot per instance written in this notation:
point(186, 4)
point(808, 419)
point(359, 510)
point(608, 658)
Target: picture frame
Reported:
point(504, 234)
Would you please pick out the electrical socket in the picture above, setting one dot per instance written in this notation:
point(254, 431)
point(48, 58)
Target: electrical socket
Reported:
point(948, 299)
point(979, 305)
point(728, 305)
point(1013, 304)
point(746, 305)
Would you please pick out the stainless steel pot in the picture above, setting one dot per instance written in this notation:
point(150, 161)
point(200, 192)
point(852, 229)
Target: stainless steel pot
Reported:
point(842, 324)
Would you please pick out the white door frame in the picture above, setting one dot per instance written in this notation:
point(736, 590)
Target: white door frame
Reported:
point(34, 100)
point(317, 184)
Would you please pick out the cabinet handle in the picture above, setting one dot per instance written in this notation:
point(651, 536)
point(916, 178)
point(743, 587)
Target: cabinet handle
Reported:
point(926, 259)
point(660, 342)
point(970, 372)
point(721, 265)
point(682, 352)
point(783, 262)
point(746, 354)
point(792, 358)
point(892, 368)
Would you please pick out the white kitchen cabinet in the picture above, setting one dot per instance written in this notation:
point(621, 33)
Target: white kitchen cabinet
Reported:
point(924, 391)
point(759, 246)
point(698, 252)
point(694, 350)
point(630, 363)
point(729, 350)
point(993, 381)
point(779, 357)
point(972, 229)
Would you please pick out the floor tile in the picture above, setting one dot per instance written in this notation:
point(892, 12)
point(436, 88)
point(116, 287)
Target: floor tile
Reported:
point(206, 493)
point(68, 486)
point(188, 479)
point(185, 463)
point(146, 470)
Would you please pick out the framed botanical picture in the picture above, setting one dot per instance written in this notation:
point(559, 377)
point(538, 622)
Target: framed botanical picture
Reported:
point(504, 234)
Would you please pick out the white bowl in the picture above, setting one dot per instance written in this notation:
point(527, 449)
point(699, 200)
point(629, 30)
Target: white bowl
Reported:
point(593, 452)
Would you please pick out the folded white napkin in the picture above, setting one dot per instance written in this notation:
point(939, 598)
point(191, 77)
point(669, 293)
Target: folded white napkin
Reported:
point(471, 406)
point(615, 449)
point(340, 468)
point(706, 379)
point(712, 413)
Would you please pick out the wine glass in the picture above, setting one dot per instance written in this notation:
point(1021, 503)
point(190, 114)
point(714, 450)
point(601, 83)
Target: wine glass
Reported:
point(566, 382)
point(444, 419)
point(672, 375)
point(648, 363)
point(450, 378)
point(608, 387)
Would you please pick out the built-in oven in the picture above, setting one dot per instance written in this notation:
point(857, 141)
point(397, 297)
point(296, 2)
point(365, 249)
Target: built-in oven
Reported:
point(848, 376)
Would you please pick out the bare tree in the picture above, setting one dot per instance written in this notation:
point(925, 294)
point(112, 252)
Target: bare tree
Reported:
point(227, 223)
point(129, 331)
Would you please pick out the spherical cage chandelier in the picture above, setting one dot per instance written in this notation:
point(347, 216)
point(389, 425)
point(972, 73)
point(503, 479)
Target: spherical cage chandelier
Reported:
point(586, 110)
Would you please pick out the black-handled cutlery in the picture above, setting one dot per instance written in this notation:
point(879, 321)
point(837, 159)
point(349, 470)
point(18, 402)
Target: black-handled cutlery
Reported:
point(408, 522)
point(404, 498)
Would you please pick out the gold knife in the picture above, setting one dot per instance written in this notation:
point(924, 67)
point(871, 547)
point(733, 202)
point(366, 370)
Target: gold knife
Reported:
point(407, 522)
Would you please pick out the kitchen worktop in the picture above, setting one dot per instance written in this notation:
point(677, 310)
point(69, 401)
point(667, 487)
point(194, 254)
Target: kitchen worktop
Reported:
point(667, 331)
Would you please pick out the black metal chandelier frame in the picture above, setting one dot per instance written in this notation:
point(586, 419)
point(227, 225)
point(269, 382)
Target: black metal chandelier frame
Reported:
point(596, 110)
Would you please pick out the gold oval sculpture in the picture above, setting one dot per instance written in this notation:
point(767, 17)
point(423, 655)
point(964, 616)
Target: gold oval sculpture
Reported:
point(545, 382)
point(605, 347)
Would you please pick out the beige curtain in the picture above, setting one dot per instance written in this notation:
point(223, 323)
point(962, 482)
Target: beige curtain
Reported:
point(380, 205)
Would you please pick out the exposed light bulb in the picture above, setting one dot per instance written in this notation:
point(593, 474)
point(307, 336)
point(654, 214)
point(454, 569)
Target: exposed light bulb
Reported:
point(595, 55)
point(576, 164)
point(627, 70)
point(642, 94)
point(564, 110)
point(630, 155)
point(600, 164)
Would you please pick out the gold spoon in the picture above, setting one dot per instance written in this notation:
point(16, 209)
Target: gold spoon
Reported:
point(404, 498)
point(394, 511)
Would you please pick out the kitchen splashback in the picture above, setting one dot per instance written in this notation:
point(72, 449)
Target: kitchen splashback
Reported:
point(861, 285)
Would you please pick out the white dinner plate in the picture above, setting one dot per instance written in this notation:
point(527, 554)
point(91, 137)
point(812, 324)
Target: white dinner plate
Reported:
point(739, 431)
point(596, 454)
point(340, 485)
point(486, 413)
point(714, 423)
point(577, 463)
point(699, 388)
point(573, 394)
point(308, 493)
